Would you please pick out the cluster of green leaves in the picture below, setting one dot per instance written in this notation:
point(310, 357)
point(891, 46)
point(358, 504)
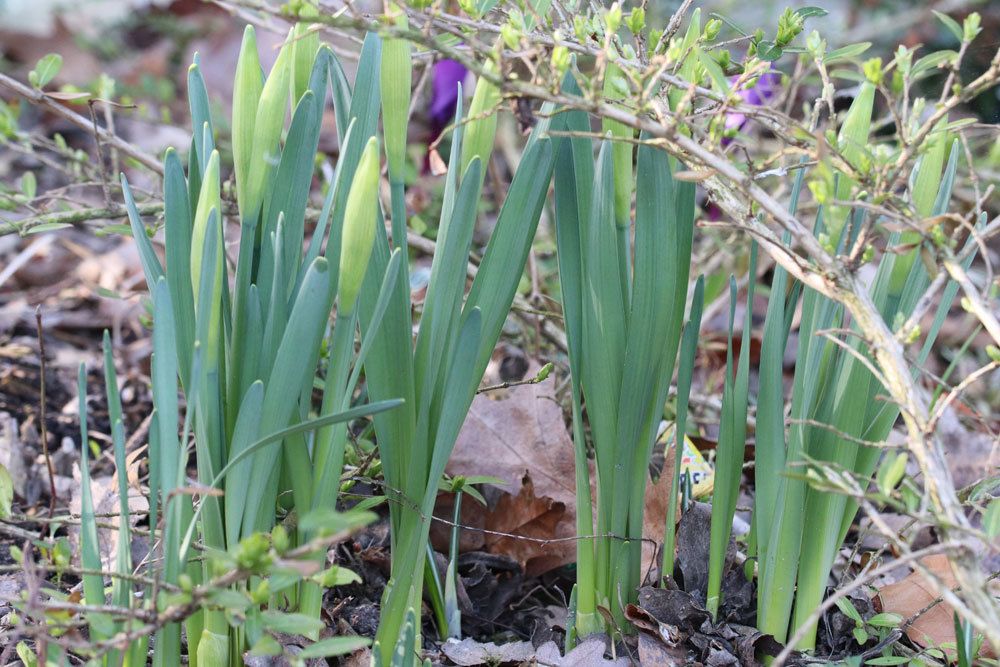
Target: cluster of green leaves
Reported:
point(834, 404)
point(248, 350)
point(246, 358)
point(437, 376)
point(623, 326)
point(245, 349)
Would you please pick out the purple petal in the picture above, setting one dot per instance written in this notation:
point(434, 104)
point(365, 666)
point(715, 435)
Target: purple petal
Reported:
point(767, 86)
point(444, 90)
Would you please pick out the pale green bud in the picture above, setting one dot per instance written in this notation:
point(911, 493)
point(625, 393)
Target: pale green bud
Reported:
point(560, 60)
point(213, 648)
point(396, 80)
point(268, 123)
point(616, 88)
point(712, 29)
point(246, 97)
point(481, 130)
point(279, 539)
point(789, 26)
point(511, 36)
point(853, 134)
point(971, 27)
point(636, 20)
point(904, 60)
point(815, 44)
point(891, 472)
point(359, 227)
point(208, 199)
point(470, 7)
point(820, 190)
point(873, 70)
point(304, 45)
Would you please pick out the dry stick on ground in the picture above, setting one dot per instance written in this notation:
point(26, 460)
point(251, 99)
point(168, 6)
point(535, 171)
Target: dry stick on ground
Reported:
point(43, 430)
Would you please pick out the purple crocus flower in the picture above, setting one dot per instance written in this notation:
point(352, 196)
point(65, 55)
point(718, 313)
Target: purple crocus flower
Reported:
point(767, 86)
point(444, 92)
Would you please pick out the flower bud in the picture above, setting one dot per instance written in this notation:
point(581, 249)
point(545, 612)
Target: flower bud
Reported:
point(873, 70)
point(636, 20)
point(304, 45)
point(268, 123)
point(853, 136)
point(246, 97)
point(279, 539)
point(616, 88)
point(971, 27)
point(712, 28)
point(213, 648)
point(560, 60)
point(208, 199)
point(359, 227)
point(789, 26)
point(482, 126)
point(396, 80)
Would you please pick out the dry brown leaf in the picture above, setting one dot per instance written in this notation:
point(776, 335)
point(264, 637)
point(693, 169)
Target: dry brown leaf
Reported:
point(519, 436)
point(654, 653)
point(360, 658)
point(914, 593)
point(655, 516)
point(588, 653)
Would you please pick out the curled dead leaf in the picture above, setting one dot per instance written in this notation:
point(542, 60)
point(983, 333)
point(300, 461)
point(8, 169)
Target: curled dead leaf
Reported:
point(67, 96)
point(438, 167)
point(689, 176)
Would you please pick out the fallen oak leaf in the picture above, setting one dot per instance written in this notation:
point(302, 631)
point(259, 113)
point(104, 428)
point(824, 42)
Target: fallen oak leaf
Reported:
point(931, 623)
point(520, 436)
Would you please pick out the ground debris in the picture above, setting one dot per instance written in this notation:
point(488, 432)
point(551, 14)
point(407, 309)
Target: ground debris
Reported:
point(591, 652)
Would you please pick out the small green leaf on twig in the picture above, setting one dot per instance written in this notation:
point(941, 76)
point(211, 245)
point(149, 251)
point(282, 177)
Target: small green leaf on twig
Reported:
point(949, 23)
point(46, 69)
point(847, 52)
point(768, 50)
point(809, 12)
point(29, 186)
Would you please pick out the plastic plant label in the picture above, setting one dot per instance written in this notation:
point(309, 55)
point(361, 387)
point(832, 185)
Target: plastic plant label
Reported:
point(692, 462)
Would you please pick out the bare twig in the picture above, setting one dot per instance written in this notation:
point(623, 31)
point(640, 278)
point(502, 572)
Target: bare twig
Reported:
point(39, 98)
point(43, 430)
